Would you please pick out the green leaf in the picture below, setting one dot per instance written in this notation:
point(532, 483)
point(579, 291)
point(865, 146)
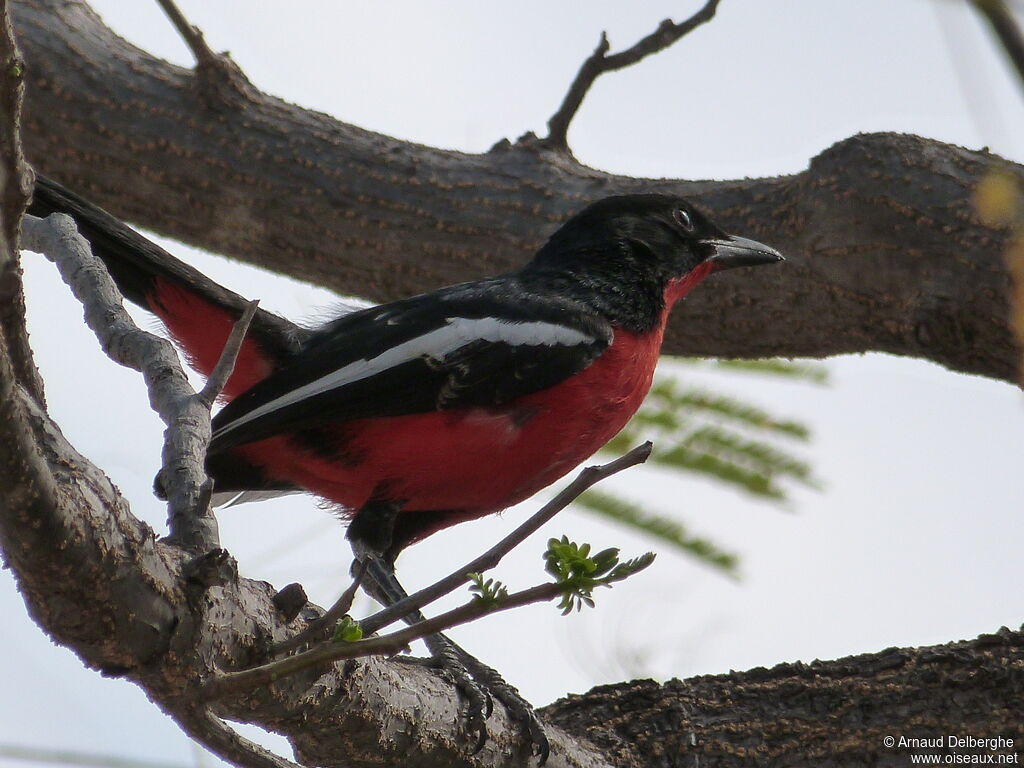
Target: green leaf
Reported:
point(695, 401)
point(720, 437)
point(663, 528)
point(815, 373)
point(753, 454)
point(753, 482)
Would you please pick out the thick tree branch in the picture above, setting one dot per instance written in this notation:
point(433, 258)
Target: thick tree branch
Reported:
point(599, 62)
point(827, 713)
point(884, 249)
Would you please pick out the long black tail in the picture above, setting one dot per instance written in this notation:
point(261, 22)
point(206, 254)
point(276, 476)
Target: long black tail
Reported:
point(197, 311)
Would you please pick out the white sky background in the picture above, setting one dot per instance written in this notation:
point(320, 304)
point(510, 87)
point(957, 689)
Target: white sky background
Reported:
point(916, 539)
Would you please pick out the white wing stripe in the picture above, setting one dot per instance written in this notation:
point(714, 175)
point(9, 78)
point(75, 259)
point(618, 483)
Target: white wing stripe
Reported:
point(436, 345)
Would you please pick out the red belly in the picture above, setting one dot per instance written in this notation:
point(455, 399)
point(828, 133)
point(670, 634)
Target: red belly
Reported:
point(476, 460)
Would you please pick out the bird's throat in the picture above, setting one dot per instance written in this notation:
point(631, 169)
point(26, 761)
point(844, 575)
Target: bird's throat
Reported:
point(677, 288)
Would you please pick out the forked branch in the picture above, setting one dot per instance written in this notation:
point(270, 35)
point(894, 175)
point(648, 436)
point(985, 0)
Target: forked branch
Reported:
point(186, 414)
point(599, 62)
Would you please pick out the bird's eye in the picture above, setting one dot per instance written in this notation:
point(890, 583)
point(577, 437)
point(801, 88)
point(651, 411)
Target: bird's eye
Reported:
point(683, 219)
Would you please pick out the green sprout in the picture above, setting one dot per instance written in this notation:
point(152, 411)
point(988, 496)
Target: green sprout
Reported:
point(488, 592)
point(578, 572)
point(347, 631)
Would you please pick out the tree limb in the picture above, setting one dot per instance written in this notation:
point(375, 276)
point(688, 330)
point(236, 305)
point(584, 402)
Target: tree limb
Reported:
point(834, 713)
point(186, 415)
point(16, 184)
point(884, 249)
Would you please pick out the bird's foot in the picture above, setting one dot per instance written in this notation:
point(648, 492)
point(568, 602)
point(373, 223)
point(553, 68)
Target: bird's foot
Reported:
point(518, 708)
point(446, 656)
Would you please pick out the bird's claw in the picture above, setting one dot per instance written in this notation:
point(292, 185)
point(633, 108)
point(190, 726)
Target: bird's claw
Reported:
point(479, 685)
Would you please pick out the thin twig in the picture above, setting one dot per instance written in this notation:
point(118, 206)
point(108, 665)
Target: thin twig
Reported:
point(588, 477)
point(221, 82)
point(599, 62)
point(1005, 26)
point(228, 357)
point(190, 33)
point(218, 737)
point(239, 682)
point(316, 629)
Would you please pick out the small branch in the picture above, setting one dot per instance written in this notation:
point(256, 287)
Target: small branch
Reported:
point(667, 33)
point(191, 34)
point(1005, 26)
point(319, 628)
point(187, 419)
point(246, 680)
point(587, 478)
point(221, 81)
point(228, 357)
point(218, 737)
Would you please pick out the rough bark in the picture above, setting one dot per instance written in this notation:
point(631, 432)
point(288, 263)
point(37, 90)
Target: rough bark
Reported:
point(827, 713)
point(885, 252)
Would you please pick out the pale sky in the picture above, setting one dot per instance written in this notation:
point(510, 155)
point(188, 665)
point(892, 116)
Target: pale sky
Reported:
point(915, 539)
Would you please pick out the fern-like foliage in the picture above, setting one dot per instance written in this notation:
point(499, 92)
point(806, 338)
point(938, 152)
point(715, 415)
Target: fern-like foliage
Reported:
point(660, 526)
point(719, 436)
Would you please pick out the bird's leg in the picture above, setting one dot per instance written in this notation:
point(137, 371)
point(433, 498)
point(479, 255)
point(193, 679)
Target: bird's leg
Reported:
point(370, 535)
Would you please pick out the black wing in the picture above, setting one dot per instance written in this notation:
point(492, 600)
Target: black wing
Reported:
point(479, 344)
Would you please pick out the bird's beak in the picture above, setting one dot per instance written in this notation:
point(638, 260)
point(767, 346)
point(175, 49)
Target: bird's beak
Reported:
point(729, 252)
